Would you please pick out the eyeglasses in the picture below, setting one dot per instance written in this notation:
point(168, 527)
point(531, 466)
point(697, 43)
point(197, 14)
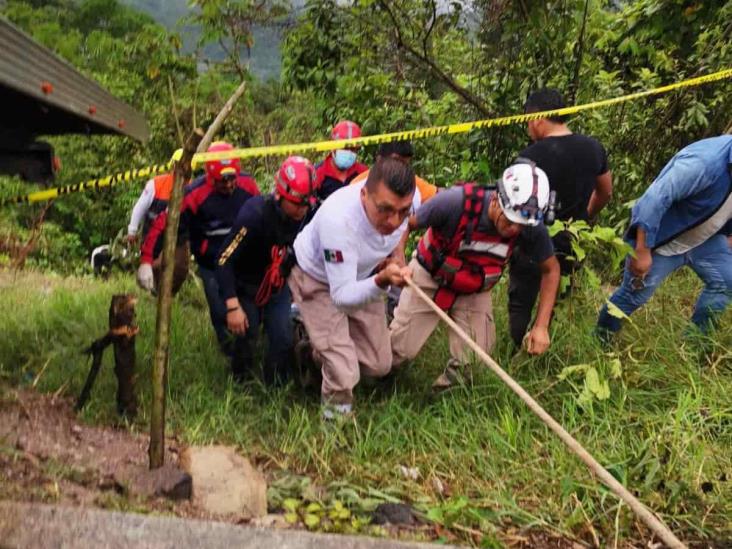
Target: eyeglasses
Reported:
point(228, 177)
point(386, 210)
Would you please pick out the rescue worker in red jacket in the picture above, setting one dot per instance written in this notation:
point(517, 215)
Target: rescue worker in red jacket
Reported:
point(253, 266)
point(341, 166)
point(152, 201)
point(471, 232)
point(207, 215)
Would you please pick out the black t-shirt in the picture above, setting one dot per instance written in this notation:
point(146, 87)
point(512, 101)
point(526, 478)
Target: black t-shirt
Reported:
point(572, 164)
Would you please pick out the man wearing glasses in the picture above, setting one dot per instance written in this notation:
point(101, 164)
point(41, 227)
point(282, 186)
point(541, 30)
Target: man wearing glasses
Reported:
point(341, 278)
point(471, 233)
point(683, 218)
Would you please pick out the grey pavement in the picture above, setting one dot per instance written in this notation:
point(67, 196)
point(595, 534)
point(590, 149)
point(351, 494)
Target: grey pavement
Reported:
point(30, 526)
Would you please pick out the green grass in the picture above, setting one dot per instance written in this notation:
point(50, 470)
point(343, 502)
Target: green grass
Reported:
point(665, 431)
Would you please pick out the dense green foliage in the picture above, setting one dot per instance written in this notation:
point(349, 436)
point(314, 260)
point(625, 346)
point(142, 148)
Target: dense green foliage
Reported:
point(655, 409)
point(390, 66)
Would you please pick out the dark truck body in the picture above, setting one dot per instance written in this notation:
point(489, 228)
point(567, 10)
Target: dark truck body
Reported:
point(41, 94)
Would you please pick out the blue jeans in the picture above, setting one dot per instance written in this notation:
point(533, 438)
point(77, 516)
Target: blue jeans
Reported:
point(216, 307)
point(711, 261)
point(277, 320)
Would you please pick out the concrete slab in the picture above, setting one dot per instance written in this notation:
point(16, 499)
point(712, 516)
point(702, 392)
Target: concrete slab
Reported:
point(30, 526)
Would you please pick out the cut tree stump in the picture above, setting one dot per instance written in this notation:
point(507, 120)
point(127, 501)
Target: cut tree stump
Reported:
point(121, 335)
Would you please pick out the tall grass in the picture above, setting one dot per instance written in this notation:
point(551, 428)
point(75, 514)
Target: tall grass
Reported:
point(665, 430)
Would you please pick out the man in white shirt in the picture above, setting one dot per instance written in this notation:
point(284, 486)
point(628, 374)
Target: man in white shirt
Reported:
point(341, 278)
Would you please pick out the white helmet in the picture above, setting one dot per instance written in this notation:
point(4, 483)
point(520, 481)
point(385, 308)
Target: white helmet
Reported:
point(523, 193)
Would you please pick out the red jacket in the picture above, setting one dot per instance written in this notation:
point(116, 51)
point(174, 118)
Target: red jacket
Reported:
point(328, 178)
point(206, 218)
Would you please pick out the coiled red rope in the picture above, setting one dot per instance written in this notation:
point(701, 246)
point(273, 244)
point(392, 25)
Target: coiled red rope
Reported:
point(273, 279)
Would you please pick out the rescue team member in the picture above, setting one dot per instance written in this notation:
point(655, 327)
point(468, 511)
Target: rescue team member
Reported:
point(341, 165)
point(683, 218)
point(334, 285)
point(578, 173)
point(254, 263)
point(152, 201)
point(471, 232)
point(401, 150)
point(207, 215)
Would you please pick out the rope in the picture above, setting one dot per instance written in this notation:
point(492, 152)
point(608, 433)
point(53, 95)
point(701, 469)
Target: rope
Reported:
point(651, 520)
point(273, 279)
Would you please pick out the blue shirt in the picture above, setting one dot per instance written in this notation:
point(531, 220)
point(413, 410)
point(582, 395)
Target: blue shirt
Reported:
point(689, 189)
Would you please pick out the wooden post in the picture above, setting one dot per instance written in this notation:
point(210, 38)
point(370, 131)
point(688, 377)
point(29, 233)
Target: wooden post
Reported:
point(182, 173)
point(121, 334)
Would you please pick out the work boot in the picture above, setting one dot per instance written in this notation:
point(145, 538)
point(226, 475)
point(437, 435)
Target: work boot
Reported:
point(307, 369)
point(455, 374)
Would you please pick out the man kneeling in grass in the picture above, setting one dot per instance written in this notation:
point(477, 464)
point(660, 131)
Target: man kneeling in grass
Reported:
point(340, 280)
point(471, 232)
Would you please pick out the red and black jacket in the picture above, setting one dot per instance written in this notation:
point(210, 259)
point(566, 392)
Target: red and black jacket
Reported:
point(472, 260)
point(206, 219)
point(328, 178)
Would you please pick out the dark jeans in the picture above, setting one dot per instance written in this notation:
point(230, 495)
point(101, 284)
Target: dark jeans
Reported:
point(278, 326)
point(524, 283)
point(711, 261)
point(216, 308)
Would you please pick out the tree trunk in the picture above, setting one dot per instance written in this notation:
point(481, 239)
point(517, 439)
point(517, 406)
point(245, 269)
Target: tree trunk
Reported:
point(182, 172)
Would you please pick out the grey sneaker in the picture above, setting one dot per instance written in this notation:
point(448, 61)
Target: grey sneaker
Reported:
point(337, 412)
point(455, 374)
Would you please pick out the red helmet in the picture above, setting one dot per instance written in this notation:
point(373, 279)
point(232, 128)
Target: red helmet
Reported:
point(345, 129)
point(295, 180)
point(216, 169)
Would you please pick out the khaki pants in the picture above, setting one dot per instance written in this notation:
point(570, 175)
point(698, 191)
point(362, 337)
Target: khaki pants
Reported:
point(414, 321)
point(348, 343)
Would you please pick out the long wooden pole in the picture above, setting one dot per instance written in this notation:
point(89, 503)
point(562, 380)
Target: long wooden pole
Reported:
point(653, 522)
point(182, 173)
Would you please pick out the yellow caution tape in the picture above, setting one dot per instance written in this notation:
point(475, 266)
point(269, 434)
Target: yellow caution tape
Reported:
point(323, 146)
point(91, 184)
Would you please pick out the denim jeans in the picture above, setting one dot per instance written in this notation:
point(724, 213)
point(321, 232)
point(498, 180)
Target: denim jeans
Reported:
point(216, 307)
point(277, 320)
point(711, 261)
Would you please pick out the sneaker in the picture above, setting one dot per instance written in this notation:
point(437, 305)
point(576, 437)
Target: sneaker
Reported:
point(334, 412)
point(455, 374)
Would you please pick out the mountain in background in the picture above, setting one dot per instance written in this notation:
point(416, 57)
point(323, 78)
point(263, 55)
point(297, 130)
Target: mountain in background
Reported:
point(265, 60)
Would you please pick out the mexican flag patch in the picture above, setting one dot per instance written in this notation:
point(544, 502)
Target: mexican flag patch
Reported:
point(333, 256)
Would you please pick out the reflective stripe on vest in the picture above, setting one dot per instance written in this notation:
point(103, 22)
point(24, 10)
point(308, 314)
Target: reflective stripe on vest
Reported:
point(218, 232)
point(472, 260)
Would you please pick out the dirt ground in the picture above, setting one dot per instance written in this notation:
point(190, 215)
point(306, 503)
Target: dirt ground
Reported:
point(46, 455)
